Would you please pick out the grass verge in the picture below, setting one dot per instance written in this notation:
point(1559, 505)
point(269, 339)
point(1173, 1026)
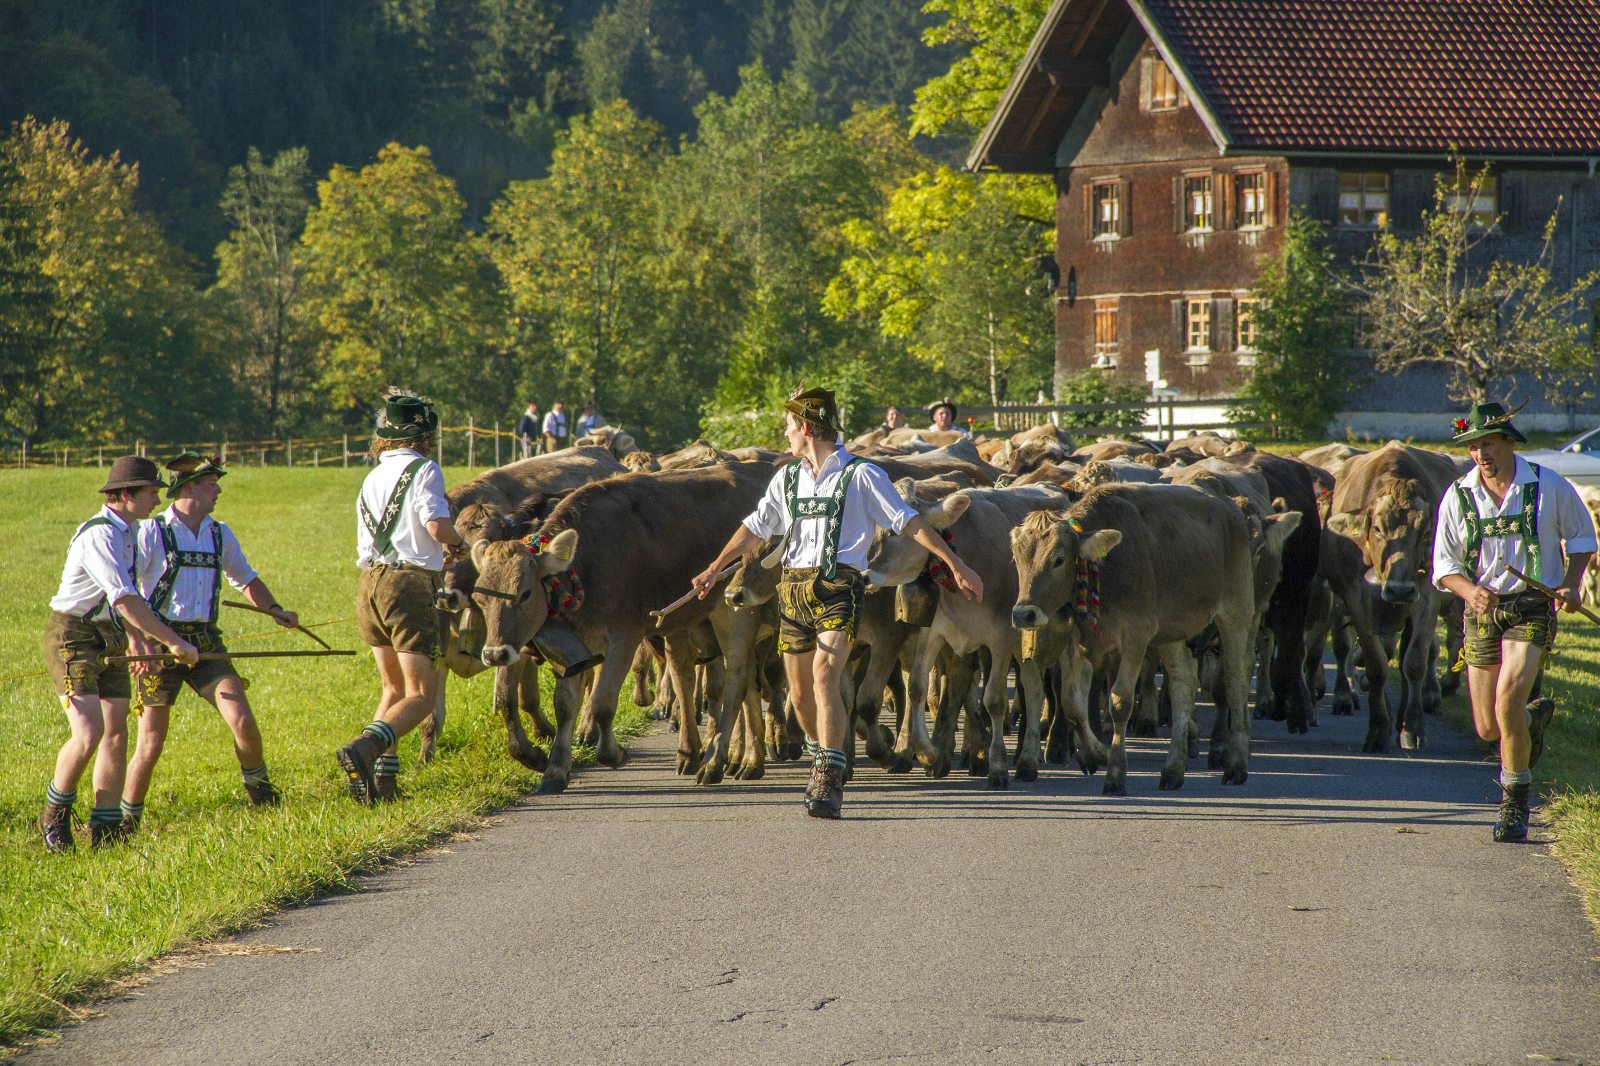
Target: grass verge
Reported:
point(205, 864)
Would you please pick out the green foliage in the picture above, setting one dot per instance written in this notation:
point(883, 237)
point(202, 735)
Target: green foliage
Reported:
point(1301, 377)
point(991, 37)
point(1443, 297)
point(1095, 387)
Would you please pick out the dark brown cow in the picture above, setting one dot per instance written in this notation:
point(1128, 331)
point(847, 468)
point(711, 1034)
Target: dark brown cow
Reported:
point(1385, 503)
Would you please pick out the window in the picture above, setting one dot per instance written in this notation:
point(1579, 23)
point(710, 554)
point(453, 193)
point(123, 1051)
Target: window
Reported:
point(1164, 95)
point(1363, 198)
point(1107, 210)
point(1244, 324)
point(1251, 190)
point(1198, 333)
point(1105, 333)
point(1197, 207)
point(1481, 206)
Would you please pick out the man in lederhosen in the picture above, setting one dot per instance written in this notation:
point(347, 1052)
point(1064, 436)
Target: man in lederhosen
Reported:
point(184, 554)
point(403, 530)
point(829, 505)
point(99, 595)
point(1507, 513)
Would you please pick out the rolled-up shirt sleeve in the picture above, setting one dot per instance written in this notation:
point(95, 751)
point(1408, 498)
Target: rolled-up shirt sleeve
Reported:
point(428, 501)
point(152, 562)
point(1449, 543)
point(771, 516)
point(100, 561)
point(884, 505)
point(234, 564)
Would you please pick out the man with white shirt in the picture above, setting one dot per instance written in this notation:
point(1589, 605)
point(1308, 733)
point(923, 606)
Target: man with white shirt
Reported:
point(98, 599)
point(1507, 513)
point(828, 504)
point(556, 433)
point(404, 537)
point(184, 554)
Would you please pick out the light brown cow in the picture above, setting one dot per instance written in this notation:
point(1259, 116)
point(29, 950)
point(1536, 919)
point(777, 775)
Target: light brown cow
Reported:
point(1385, 503)
point(1172, 560)
point(613, 439)
point(1107, 448)
point(1590, 495)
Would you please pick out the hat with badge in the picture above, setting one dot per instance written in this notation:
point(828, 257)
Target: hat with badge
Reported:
point(815, 407)
point(933, 408)
point(187, 466)
point(407, 415)
point(132, 472)
point(1485, 420)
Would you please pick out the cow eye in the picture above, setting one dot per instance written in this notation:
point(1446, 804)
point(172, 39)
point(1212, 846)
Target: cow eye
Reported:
point(525, 594)
point(1060, 560)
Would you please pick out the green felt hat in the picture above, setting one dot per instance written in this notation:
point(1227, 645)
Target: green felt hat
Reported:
point(187, 466)
point(1487, 419)
point(406, 416)
point(816, 407)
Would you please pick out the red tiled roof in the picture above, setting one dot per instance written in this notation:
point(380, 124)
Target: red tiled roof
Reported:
point(1481, 76)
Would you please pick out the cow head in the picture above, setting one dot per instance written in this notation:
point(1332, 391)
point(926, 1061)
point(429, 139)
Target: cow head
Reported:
point(753, 584)
point(1046, 549)
point(898, 560)
point(1397, 537)
point(511, 593)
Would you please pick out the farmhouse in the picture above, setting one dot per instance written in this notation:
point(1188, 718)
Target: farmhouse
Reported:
point(1180, 133)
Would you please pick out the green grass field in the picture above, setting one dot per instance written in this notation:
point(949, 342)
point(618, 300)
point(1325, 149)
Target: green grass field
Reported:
point(204, 863)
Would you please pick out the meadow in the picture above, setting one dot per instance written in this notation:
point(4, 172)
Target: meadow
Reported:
point(204, 863)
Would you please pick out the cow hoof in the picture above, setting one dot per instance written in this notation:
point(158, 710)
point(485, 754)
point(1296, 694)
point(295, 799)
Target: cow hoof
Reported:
point(533, 757)
point(939, 766)
point(1298, 724)
point(999, 779)
point(1213, 759)
point(553, 784)
point(1113, 788)
point(1055, 754)
point(1027, 772)
point(710, 773)
point(1343, 704)
point(1235, 777)
point(1430, 704)
point(688, 763)
point(1376, 744)
point(901, 763)
point(1410, 741)
point(1194, 746)
point(1090, 764)
point(751, 772)
point(1171, 780)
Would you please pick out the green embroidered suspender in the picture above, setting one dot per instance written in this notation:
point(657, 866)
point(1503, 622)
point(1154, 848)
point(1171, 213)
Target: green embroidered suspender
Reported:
point(830, 507)
point(382, 530)
point(1524, 524)
point(161, 598)
point(133, 571)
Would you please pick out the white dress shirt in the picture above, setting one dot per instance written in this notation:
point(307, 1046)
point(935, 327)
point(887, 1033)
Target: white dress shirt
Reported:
point(100, 570)
point(1563, 523)
point(555, 423)
point(411, 543)
point(192, 589)
point(870, 502)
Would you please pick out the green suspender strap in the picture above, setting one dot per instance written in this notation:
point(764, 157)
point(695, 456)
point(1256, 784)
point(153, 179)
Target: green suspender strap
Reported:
point(133, 571)
point(161, 597)
point(829, 507)
point(382, 530)
point(1524, 524)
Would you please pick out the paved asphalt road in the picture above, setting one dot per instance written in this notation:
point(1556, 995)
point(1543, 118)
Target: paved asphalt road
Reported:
point(1339, 908)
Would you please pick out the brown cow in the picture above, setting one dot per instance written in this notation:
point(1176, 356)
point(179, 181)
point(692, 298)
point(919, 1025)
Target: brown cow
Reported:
point(1172, 560)
point(613, 439)
point(1107, 448)
point(1385, 503)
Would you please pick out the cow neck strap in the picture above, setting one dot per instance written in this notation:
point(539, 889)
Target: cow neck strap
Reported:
point(829, 507)
point(1524, 524)
point(564, 592)
point(382, 529)
point(161, 598)
point(133, 570)
point(1086, 583)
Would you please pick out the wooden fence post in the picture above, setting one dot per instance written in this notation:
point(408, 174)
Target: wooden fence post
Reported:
point(472, 445)
point(497, 442)
point(100, 456)
point(440, 447)
point(289, 449)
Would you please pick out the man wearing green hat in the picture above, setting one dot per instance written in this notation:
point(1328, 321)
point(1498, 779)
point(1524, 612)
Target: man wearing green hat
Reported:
point(89, 615)
point(828, 505)
point(403, 532)
point(1507, 514)
point(184, 554)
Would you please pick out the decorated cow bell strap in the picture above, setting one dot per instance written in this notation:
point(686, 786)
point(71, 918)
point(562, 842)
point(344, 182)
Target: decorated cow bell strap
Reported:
point(1524, 524)
point(1086, 584)
point(564, 590)
point(939, 570)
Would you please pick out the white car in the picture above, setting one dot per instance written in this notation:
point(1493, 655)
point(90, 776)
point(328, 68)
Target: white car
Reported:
point(1578, 460)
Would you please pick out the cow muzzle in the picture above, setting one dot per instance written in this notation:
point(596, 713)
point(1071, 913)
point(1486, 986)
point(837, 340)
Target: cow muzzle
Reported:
point(1027, 616)
point(1400, 593)
point(500, 655)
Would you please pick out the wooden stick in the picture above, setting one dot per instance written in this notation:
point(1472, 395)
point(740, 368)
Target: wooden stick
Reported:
point(212, 656)
point(1552, 593)
point(274, 614)
point(661, 615)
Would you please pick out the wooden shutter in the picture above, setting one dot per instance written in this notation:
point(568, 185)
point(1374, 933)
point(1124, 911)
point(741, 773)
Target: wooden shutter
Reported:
point(1222, 208)
point(1270, 193)
point(1222, 324)
point(1088, 210)
point(1180, 323)
point(1513, 205)
point(1178, 206)
point(1324, 201)
point(1146, 83)
point(1410, 193)
point(1126, 218)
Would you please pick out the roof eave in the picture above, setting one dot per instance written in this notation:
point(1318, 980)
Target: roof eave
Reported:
point(1030, 61)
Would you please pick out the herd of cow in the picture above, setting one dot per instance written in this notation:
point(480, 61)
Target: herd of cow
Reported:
point(1102, 565)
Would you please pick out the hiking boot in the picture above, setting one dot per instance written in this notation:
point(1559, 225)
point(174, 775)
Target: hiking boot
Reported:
point(1539, 714)
point(356, 759)
point(825, 795)
point(262, 794)
point(105, 834)
point(1513, 824)
point(386, 788)
point(55, 826)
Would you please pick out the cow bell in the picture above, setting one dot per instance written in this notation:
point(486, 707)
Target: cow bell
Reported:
point(559, 645)
point(916, 602)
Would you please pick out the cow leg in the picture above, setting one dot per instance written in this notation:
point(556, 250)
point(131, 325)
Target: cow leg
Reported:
point(1146, 721)
point(1450, 684)
point(1057, 735)
point(568, 701)
point(680, 667)
point(1344, 696)
point(1316, 642)
point(1291, 695)
point(914, 741)
point(1419, 655)
point(1431, 695)
point(1236, 647)
point(1121, 707)
point(507, 682)
point(751, 763)
point(737, 635)
point(1030, 695)
point(1183, 675)
point(881, 667)
point(1078, 680)
point(528, 700)
point(1266, 706)
point(995, 688)
point(958, 671)
point(1375, 666)
point(432, 727)
point(644, 670)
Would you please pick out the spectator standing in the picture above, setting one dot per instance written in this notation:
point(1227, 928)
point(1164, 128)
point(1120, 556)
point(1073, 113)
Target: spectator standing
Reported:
point(892, 420)
point(528, 429)
point(943, 414)
point(555, 427)
point(590, 419)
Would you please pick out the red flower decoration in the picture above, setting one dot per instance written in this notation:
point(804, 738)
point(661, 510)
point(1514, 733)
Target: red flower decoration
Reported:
point(1461, 425)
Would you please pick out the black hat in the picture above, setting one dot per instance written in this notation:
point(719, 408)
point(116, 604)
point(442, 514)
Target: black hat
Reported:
point(932, 407)
point(132, 472)
point(406, 416)
point(190, 465)
point(1487, 419)
point(815, 407)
